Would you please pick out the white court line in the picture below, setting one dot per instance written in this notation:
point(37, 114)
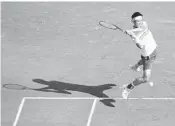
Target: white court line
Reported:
point(19, 111)
point(91, 113)
point(93, 98)
point(83, 98)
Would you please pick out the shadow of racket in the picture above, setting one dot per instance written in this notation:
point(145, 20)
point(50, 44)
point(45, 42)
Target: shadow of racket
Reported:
point(16, 87)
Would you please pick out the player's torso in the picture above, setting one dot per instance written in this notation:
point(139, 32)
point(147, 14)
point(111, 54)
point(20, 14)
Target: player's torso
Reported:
point(146, 40)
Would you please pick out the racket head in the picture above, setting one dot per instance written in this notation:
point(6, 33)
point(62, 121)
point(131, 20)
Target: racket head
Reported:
point(108, 25)
point(15, 87)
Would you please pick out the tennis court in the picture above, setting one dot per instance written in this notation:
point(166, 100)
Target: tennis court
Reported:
point(75, 67)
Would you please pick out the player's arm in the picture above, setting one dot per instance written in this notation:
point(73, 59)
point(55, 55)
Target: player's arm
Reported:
point(140, 29)
point(139, 46)
point(135, 39)
point(137, 42)
point(132, 35)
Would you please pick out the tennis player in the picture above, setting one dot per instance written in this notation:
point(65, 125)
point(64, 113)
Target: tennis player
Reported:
point(145, 41)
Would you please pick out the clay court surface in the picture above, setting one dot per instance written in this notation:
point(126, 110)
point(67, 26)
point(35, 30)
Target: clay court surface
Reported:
point(71, 62)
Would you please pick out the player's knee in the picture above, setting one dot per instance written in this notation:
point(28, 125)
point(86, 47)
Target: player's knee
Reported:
point(146, 75)
point(139, 81)
point(145, 79)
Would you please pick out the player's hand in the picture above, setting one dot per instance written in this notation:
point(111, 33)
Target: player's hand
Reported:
point(130, 33)
point(127, 32)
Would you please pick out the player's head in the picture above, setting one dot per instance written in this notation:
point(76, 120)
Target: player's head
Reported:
point(137, 19)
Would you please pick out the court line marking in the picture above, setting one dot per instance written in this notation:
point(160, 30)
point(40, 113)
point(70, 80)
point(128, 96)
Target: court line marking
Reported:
point(91, 112)
point(80, 98)
point(93, 98)
point(19, 111)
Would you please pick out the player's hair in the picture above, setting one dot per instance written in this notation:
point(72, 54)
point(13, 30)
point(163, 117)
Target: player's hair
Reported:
point(135, 14)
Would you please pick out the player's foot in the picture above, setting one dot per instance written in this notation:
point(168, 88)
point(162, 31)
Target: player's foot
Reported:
point(135, 68)
point(125, 92)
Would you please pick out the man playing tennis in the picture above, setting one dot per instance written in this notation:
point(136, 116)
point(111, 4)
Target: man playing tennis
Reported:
point(144, 40)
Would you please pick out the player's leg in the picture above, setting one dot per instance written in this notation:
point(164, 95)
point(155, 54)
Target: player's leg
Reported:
point(127, 88)
point(136, 67)
point(142, 61)
point(144, 79)
point(147, 66)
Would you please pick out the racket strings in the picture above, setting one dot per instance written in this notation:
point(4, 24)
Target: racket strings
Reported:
point(107, 25)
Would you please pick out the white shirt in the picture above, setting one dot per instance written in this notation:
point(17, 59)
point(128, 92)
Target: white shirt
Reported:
point(146, 40)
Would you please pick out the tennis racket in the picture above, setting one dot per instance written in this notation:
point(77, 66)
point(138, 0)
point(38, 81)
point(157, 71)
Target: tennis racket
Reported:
point(112, 27)
point(16, 87)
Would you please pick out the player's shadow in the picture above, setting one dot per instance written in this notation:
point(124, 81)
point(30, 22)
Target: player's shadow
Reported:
point(63, 87)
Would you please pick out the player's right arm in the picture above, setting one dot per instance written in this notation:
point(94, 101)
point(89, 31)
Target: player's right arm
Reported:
point(142, 28)
point(132, 33)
